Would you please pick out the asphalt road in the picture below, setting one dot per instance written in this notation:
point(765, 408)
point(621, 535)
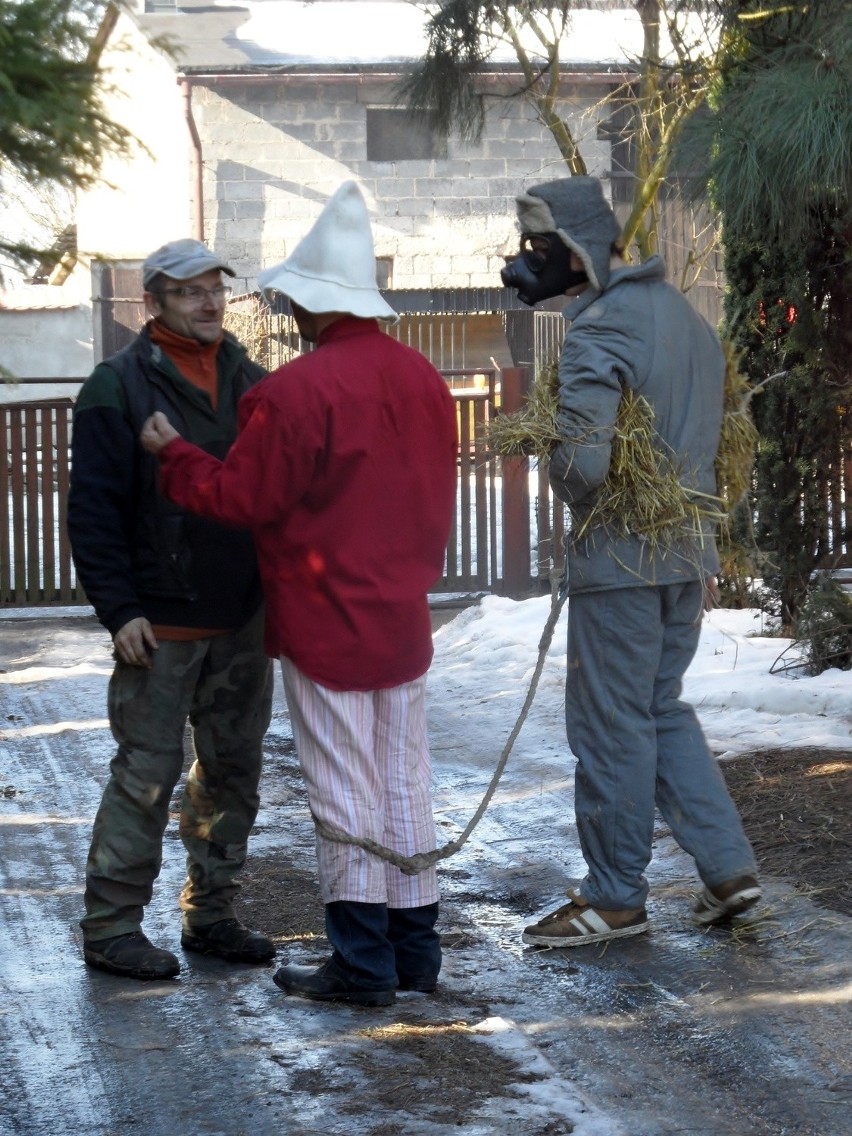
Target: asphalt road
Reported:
point(746, 1036)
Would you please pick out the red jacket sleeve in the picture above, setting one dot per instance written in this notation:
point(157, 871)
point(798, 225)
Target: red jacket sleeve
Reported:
point(262, 475)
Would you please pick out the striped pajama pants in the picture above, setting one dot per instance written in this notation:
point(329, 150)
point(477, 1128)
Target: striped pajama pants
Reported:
point(365, 760)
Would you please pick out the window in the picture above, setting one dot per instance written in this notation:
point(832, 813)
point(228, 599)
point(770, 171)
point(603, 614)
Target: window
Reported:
point(384, 271)
point(398, 136)
point(118, 307)
point(619, 130)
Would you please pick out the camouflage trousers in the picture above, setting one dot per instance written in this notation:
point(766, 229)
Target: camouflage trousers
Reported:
point(221, 685)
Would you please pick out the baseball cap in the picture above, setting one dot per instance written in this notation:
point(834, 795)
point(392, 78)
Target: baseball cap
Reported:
point(181, 260)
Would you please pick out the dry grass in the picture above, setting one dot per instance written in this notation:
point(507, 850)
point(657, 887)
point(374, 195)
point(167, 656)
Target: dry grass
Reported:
point(248, 319)
point(796, 806)
point(643, 492)
point(533, 430)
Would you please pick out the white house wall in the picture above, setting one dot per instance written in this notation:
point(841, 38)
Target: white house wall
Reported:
point(274, 152)
point(142, 201)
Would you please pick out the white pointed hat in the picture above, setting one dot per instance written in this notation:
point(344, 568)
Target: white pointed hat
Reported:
point(333, 267)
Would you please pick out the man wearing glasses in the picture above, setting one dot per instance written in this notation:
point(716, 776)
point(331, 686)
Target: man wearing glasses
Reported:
point(181, 598)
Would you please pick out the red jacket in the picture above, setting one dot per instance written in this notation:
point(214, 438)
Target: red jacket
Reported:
point(345, 471)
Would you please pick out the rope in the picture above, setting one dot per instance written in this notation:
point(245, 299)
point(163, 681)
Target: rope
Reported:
point(412, 865)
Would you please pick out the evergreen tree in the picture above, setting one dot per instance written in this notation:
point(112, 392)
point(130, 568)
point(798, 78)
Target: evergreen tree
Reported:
point(781, 176)
point(53, 126)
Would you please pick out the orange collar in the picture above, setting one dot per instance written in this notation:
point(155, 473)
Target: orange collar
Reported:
point(195, 361)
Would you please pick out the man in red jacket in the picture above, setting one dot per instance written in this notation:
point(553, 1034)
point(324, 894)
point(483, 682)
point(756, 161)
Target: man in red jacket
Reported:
point(344, 470)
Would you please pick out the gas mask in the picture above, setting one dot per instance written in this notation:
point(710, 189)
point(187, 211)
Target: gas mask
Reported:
point(542, 269)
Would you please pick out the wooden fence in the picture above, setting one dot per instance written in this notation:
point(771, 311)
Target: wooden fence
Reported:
point(35, 555)
point(505, 531)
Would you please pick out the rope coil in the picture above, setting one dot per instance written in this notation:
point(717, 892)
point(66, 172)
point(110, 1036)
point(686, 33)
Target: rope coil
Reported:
point(413, 865)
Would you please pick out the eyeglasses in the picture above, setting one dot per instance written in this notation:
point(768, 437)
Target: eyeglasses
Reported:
point(196, 295)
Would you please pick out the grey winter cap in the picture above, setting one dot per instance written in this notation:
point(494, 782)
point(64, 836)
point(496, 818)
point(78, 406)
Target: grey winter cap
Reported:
point(181, 260)
point(576, 209)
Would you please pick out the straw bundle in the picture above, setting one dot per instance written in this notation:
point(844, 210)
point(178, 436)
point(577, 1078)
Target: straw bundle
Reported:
point(532, 431)
point(642, 493)
point(739, 439)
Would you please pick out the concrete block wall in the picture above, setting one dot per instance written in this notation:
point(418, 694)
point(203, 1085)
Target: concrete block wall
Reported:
point(44, 342)
point(273, 152)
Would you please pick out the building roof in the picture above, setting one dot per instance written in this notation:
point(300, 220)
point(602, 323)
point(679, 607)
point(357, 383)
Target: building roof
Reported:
point(37, 298)
point(291, 35)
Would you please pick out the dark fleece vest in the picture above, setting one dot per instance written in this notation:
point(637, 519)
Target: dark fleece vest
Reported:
point(186, 571)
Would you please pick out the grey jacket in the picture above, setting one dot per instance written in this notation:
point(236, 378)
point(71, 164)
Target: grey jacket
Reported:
point(641, 333)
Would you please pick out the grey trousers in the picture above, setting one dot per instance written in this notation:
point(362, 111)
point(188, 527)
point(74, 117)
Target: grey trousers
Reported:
point(638, 745)
point(223, 686)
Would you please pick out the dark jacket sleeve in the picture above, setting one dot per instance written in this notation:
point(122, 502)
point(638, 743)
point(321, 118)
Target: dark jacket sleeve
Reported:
point(101, 501)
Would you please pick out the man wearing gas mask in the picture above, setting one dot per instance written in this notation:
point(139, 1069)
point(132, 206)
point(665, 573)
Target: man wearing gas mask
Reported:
point(634, 611)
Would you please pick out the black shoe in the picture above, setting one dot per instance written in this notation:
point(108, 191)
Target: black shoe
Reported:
point(229, 940)
point(327, 985)
point(419, 985)
point(131, 956)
